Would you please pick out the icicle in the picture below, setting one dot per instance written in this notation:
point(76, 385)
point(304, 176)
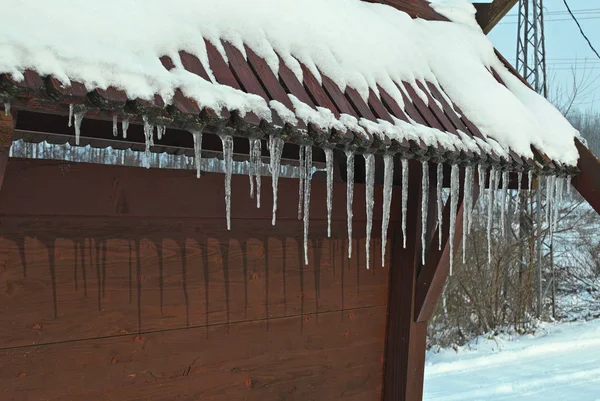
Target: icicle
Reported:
point(275, 148)
point(556, 201)
point(404, 198)
point(481, 175)
point(530, 180)
point(470, 177)
point(251, 166)
point(329, 166)
point(349, 196)
point(440, 202)
point(70, 115)
point(148, 133)
point(78, 118)
point(549, 198)
point(302, 171)
point(369, 188)
point(115, 126)
point(503, 193)
point(197, 135)
point(491, 189)
point(160, 131)
point(388, 183)
point(454, 193)
point(468, 191)
point(424, 203)
point(518, 199)
point(7, 108)
point(257, 151)
point(227, 141)
point(307, 179)
point(125, 126)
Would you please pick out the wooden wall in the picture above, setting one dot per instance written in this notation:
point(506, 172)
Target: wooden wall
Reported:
point(123, 283)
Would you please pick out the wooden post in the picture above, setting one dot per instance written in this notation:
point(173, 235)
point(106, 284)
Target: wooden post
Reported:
point(7, 130)
point(414, 291)
point(406, 339)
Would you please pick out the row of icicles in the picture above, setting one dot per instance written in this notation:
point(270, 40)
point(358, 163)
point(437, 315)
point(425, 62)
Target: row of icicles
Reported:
point(556, 187)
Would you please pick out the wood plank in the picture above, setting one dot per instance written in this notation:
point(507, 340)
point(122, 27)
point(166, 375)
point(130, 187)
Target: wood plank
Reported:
point(80, 278)
point(292, 85)
point(193, 64)
point(55, 188)
point(587, 182)
point(92, 263)
point(320, 358)
point(268, 79)
point(489, 14)
point(338, 97)
point(317, 93)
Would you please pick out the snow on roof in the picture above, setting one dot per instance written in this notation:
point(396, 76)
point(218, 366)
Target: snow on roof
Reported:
point(364, 46)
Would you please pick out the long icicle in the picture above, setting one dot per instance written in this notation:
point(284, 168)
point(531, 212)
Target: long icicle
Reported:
point(388, 182)
point(404, 198)
point(529, 180)
point(440, 202)
point(71, 107)
point(503, 194)
point(257, 157)
point(251, 166)
point(369, 192)
point(275, 148)
point(307, 179)
point(518, 199)
point(349, 196)
point(454, 194)
point(424, 206)
point(329, 166)
point(549, 198)
point(197, 135)
point(227, 141)
point(302, 172)
point(468, 206)
point(491, 188)
point(148, 133)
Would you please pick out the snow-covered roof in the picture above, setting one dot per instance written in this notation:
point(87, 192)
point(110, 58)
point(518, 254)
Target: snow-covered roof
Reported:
point(345, 71)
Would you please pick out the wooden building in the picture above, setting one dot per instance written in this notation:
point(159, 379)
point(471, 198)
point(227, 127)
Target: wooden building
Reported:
point(124, 283)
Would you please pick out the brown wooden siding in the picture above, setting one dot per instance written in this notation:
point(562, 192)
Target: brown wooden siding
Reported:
point(124, 284)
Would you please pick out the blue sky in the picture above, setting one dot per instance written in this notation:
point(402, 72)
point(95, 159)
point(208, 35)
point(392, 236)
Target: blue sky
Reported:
point(566, 49)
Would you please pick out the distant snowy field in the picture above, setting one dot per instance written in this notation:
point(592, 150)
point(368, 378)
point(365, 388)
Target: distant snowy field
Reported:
point(559, 362)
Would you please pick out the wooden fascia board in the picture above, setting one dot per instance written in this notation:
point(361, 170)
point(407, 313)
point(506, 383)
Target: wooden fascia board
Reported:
point(587, 182)
point(489, 14)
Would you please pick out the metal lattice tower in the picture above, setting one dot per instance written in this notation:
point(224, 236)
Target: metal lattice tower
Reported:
point(531, 44)
point(531, 64)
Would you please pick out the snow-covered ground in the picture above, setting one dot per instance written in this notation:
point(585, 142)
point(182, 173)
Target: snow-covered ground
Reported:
point(559, 362)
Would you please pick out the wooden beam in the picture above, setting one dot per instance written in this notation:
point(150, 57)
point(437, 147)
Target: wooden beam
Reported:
point(489, 14)
point(587, 182)
point(7, 130)
point(433, 275)
point(405, 339)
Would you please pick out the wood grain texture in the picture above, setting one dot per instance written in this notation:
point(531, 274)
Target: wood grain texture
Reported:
point(325, 358)
point(105, 298)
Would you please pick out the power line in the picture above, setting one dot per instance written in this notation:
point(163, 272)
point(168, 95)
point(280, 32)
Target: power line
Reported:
point(580, 29)
point(582, 11)
point(551, 20)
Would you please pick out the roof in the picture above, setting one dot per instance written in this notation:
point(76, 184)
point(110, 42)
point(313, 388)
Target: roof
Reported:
point(341, 73)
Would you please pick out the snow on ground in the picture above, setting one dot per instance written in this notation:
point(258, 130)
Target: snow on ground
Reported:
point(559, 362)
